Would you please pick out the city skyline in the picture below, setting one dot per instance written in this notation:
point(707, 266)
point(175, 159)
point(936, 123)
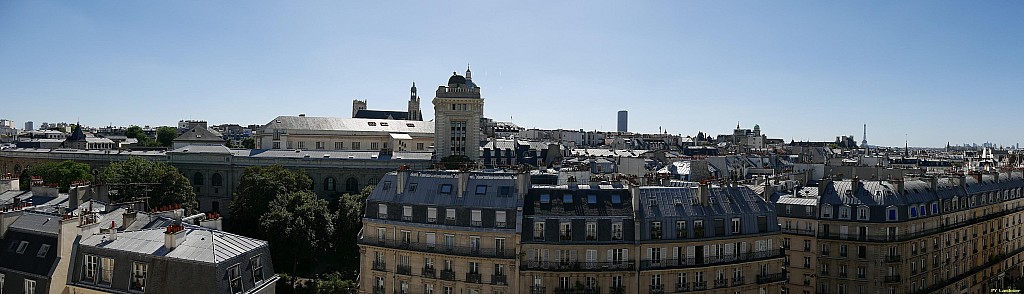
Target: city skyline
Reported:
point(804, 71)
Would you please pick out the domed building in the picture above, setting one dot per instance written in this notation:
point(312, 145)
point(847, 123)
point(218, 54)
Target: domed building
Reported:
point(458, 109)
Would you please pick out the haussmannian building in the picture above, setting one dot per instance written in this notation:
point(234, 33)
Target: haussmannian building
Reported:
point(578, 239)
point(707, 239)
point(946, 234)
point(494, 232)
point(442, 232)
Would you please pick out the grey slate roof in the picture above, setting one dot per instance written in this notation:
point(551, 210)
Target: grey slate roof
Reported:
point(199, 133)
point(37, 223)
point(313, 123)
point(200, 245)
point(428, 185)
point(381, 114)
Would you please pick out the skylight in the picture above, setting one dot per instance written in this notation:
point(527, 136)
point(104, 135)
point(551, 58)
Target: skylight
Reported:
point(616, 199)
point(545, 198)
point(592, 199)
point(567, 198)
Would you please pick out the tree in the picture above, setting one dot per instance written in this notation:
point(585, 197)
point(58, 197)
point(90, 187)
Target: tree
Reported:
point(260, 186)
point(137, 133)
point(165, 136)
point(165, 184)
point(62, 173)
point(348, 220)
point(298, 226)
point(249, 143)
point(25, 180)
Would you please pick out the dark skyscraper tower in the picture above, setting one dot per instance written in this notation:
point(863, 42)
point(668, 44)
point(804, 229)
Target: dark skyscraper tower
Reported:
point(623, 121)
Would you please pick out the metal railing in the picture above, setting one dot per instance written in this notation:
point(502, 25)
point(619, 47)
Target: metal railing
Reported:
point(577, 265)
point(712, 260)
point(499, 280)
point(537, 290)
point(771, 278)
point(738, 280)
point(893, 258)
point(443, 249)
point(893, 279)
point(798, 232)
point(428, 272)
point(448, 275)
point(721, 283)
point(380, 265)
point(474, 278)
point(700, 286)
point(403, 269)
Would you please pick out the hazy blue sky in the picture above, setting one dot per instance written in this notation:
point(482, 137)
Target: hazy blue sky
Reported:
point(936, 70)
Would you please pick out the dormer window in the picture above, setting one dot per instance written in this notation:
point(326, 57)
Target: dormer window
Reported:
point(844, 212)
point(862, 213)
point(913, 211)
point(567, 199)
point(826, 211)
point(545, 198)
point(446, 189)
point(891, 213)
point(591, 199)
point(616, 199)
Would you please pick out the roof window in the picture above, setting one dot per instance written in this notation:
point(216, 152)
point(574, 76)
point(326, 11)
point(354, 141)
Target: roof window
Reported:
point(616, 199)
point(545, 198)
point(591, 199)
point(567, 198)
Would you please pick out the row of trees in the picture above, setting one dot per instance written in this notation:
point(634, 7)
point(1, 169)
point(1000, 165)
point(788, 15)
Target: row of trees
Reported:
point(309, 236)
point(313, 236)
point(164, 136)
point(135, 178)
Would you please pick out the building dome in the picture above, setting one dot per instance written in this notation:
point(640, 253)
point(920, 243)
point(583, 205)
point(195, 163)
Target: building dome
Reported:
point(456, 79)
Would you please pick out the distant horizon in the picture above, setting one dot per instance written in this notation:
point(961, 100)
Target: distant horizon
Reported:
point(940, 72)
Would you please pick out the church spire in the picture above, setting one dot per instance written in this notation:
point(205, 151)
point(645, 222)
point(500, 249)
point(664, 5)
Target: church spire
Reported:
point(469, 73)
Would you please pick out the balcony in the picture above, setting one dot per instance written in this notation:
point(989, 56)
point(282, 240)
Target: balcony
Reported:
point(476, 223)
point(537, 289)
point(577, 266)
point(682, 287)
point(617, 290)
point(738, 280)
point(378, 289)
point(657, 289)
point(892, 279)
point(578, 290)
point(473, 278)
point(798, 232)
point(566, 237)
point(443, 249)
point(429, 272)
point(448, 275)
point(379, 265)
point(842, 275)
point(712, 260)
point(499, 280)
point(771, 278)
point(893, 258)
point(721, 283)
point(403, 269)
point(824, 273)
point(700, 286)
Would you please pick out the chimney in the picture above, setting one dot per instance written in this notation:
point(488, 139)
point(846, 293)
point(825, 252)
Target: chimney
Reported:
point(212, 221)
point(128, 218)
point(402, 179)
point(703, 189)
point(822, 184)
point(463, 177)
point(855, 184)
point(900, 185)
point(112, 231)
point(934, 182)
point(522, 184)
point(174, 235)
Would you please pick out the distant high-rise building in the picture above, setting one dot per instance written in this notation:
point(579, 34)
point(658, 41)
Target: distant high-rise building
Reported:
point(28, 126)
point(458, 109)
point(623, 121)
point(864, 140)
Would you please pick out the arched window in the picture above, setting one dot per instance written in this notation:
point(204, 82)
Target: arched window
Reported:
point(217, 180)
point(329, 184)
point(352, 185)
point(197, 179)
